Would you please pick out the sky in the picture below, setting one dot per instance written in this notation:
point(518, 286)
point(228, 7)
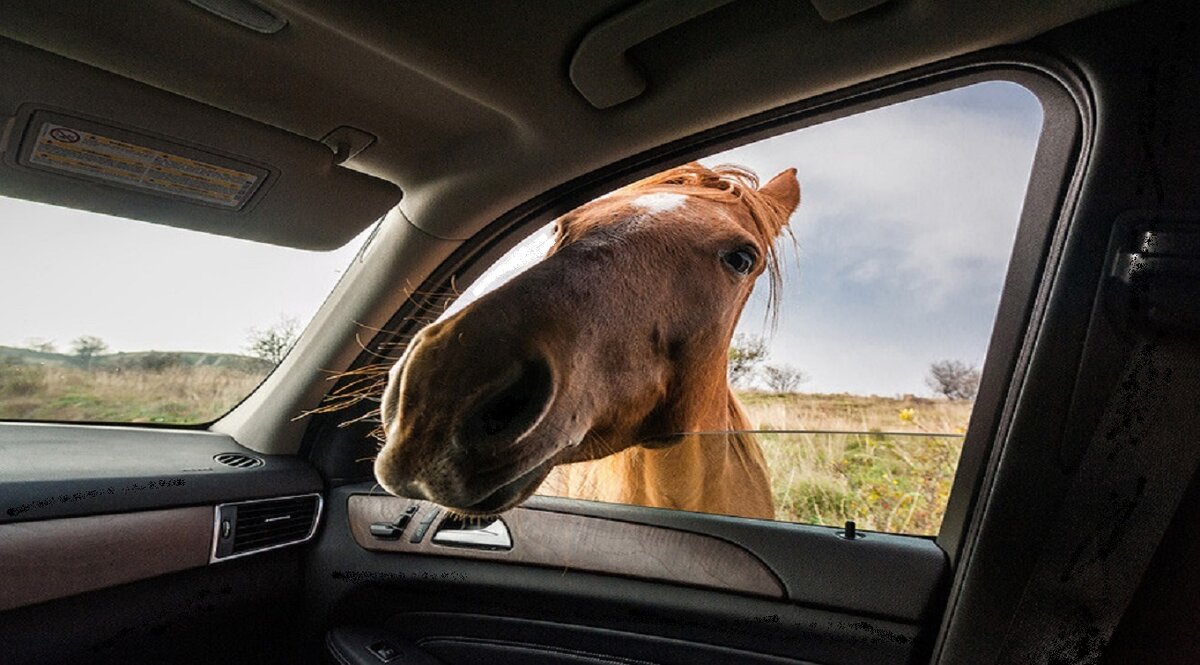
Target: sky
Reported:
point(141, 286)
point(904, 230)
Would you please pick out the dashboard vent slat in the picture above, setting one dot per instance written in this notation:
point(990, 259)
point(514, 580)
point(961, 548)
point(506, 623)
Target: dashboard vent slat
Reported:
point(238, 460)
point(255, 526)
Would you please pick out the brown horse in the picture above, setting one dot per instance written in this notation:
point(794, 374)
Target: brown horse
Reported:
point(612, 349)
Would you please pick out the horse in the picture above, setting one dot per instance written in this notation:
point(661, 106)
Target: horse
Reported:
point(605, 360)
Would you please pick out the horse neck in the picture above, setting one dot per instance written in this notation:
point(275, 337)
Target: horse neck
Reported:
point(715, 473)
point(737, 420)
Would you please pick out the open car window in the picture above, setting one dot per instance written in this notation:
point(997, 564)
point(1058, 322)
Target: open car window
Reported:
point(859, 386)
point(128, 322)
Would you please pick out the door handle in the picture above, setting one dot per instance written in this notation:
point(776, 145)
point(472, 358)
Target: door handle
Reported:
point(474, 533)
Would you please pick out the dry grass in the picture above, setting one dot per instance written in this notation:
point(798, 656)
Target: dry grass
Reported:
point(855, 413)
point(175, 395)
point(887, 474)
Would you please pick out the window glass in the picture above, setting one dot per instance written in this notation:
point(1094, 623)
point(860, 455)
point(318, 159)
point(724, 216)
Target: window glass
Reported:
point(861, 390)
point(114, 320)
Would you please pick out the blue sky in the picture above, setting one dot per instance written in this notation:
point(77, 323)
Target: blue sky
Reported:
point(904, 233)
point(905, 227)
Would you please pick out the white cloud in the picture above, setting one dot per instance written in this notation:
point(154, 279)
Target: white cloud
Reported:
point(932, 189)
point(143, 286)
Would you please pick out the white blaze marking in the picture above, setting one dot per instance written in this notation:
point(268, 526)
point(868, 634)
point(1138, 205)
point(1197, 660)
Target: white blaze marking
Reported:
point(659, 202)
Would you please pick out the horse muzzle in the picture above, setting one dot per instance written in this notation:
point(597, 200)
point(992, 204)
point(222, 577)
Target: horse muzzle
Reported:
point(480, 453)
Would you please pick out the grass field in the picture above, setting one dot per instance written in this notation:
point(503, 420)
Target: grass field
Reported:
point(893, 473)
point(888, 474)
point(135, 388)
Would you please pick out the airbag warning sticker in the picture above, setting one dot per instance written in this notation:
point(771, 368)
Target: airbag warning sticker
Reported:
point(87, 153)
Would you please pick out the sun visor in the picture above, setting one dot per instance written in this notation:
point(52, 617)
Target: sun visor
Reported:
point(75, 136)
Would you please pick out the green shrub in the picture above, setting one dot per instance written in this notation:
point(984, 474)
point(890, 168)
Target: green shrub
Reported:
point(18, 379)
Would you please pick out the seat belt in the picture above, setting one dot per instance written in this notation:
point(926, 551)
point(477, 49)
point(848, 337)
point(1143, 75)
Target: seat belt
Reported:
point(1127, 488)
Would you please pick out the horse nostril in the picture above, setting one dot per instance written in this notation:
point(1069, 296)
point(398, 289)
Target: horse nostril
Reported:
point(515, 407)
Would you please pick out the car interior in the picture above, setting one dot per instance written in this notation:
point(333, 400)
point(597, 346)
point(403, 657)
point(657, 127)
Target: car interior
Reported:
point(459, 129)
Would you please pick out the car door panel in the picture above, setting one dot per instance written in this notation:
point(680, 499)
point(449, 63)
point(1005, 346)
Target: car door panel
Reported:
point(470, 638)
point(546, 538)
point(841, 602)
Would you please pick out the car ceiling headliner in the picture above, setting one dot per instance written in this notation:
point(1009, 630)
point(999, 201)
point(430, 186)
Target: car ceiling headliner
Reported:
point(471, 101)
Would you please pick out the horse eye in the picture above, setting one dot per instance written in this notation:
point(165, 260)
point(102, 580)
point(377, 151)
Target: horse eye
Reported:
point(740, 261)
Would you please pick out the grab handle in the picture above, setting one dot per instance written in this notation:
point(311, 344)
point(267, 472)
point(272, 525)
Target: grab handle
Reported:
point(601, 71)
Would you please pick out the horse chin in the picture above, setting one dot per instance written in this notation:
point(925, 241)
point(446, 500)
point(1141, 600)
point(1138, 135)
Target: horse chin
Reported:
point(516, 491)
point(510, 494)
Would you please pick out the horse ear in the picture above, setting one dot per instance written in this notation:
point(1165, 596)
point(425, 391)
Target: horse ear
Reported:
point(785, 189)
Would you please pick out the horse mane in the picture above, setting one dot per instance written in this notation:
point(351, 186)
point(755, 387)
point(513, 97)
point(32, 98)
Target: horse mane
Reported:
point(729, 183)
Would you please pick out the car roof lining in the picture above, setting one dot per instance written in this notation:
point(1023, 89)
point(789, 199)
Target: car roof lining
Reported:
point(472, 105)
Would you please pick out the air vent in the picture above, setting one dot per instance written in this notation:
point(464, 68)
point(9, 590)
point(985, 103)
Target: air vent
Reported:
point(255, 526)
point(238, 460)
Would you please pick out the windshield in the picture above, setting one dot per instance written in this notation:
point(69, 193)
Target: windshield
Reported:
point(113, 320)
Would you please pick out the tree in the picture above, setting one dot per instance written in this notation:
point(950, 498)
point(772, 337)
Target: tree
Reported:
point(783, 378)
point(88, 347)
point(745, 355)
point(41, 345)
point(273, 342)
point(954, 379)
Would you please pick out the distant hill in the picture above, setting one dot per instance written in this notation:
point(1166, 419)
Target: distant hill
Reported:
point(30, 356)
point(142, 360)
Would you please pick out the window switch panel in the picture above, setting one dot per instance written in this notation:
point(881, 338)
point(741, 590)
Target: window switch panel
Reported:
point(423, 527)
point(384, 651)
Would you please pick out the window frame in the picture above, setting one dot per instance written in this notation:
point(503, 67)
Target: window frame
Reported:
point(1061, 151)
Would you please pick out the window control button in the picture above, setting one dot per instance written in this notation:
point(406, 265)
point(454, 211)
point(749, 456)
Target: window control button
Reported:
point(423, 527)
point(384, 651)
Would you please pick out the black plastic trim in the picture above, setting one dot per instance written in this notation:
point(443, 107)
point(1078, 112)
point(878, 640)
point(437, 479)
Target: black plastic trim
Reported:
point(53, 471)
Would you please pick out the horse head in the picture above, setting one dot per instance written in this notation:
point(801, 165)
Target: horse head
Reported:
point(617, 339)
